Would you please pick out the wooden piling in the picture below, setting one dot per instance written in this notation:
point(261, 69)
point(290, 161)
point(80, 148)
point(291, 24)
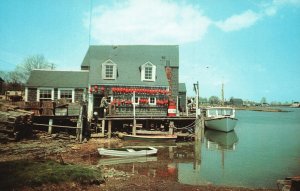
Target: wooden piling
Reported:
point(79, 130)
point(109, 128)
point(102, 126)
point(202, 126)
point(134, 127)
point(50, 126)
point(197, 154)
point(171, 127)
point(197, 129)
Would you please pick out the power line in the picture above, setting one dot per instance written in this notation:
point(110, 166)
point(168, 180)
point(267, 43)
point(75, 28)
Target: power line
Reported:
point(9, 63)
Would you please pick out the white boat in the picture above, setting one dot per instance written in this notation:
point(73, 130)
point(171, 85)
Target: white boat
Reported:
point(295, 104)
point(127, 152)
point(220, 118)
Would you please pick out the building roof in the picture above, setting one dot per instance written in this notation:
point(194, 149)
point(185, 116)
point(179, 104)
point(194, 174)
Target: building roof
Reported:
point(182, 87)
point(135, 53)
point(58, 79)
point(129, 59)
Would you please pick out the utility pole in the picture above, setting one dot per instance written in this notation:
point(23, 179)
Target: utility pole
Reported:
point(222, 93)
point(196, 89)
point(134, 120)
point(198, 130)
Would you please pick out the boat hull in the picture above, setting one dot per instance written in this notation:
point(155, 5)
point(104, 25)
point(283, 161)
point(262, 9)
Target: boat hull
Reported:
point(224, 124)
point(141, 138)
point(125, 152)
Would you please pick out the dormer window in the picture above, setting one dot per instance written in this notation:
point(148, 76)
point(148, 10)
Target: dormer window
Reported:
point(148, 72)
point(109, 70)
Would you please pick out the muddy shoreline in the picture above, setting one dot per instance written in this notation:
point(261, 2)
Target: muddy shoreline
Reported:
point(46, 147)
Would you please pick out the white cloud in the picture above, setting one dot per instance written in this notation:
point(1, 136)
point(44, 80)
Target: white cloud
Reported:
point(272, 8)
point(249, 17)
point(167, 22)
point(148, 22)
point(271, 11)
point(237, 22)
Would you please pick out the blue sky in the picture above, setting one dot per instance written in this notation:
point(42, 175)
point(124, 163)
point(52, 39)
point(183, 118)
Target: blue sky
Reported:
point(251, 46)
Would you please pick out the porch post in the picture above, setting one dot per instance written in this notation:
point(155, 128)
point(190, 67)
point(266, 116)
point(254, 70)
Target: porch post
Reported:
point(90, 106)
point(26, 94)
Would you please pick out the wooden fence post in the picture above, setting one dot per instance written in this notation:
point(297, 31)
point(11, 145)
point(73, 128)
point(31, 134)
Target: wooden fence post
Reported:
point(79, 129)
point(103, 127)
point(109, 128)
point(134, 127)
point(171, 127)
point(50, 126)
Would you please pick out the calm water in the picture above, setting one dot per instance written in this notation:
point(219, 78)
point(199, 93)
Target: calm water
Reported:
point(267, 149)
point(263, 148)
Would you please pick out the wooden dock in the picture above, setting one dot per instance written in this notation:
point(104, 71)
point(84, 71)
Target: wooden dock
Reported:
point(109, 125)
point(143, 125)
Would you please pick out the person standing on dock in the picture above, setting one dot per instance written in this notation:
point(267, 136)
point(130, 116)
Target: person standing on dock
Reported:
point(103, 106)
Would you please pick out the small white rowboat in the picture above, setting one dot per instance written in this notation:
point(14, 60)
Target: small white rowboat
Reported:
point(127, 152)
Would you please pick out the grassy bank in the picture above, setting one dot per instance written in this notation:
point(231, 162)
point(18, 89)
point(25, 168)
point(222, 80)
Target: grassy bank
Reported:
point(15, 174)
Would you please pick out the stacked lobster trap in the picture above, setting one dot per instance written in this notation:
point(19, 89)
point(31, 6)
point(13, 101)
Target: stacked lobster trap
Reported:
point(148, 101)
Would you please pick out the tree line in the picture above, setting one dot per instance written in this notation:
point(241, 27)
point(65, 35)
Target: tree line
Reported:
point(16, 79)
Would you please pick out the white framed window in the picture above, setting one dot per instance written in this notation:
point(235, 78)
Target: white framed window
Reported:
point(152, 100)
point(136, 101)
point(109, 70)
point(110, 99)
point(66, 93)
point(45, 94)
point(148, 72)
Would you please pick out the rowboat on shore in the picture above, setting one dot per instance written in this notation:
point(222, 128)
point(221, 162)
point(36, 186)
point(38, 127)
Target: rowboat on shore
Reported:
point(127, 152)
point(220, 118)
point(150, 138)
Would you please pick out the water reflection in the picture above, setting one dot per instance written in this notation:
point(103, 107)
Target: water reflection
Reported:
point(182, 162)
point(219, 143)
point(233, 159)
point(221, 140)
point(114, 161)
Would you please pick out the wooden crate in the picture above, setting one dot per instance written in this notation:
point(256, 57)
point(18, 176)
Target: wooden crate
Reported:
point(47, 112)
point(61, 111)
point(74, 109)
point(47, 104)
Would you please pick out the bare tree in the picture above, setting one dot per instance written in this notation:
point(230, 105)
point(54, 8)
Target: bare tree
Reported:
point(30, 63)
point(263, 100)
point(214, 100)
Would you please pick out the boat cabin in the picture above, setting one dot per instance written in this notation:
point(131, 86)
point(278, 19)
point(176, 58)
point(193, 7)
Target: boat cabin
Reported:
point(220, 111)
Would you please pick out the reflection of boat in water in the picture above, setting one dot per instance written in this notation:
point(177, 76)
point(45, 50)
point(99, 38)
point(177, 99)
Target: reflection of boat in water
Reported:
point(114, 161)
point(127, 152)
point(217, 140)
point(221, 140)
point(150, 138)
point(220, 118)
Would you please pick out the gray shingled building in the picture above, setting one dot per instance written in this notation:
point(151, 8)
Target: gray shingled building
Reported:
point(151, 71)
